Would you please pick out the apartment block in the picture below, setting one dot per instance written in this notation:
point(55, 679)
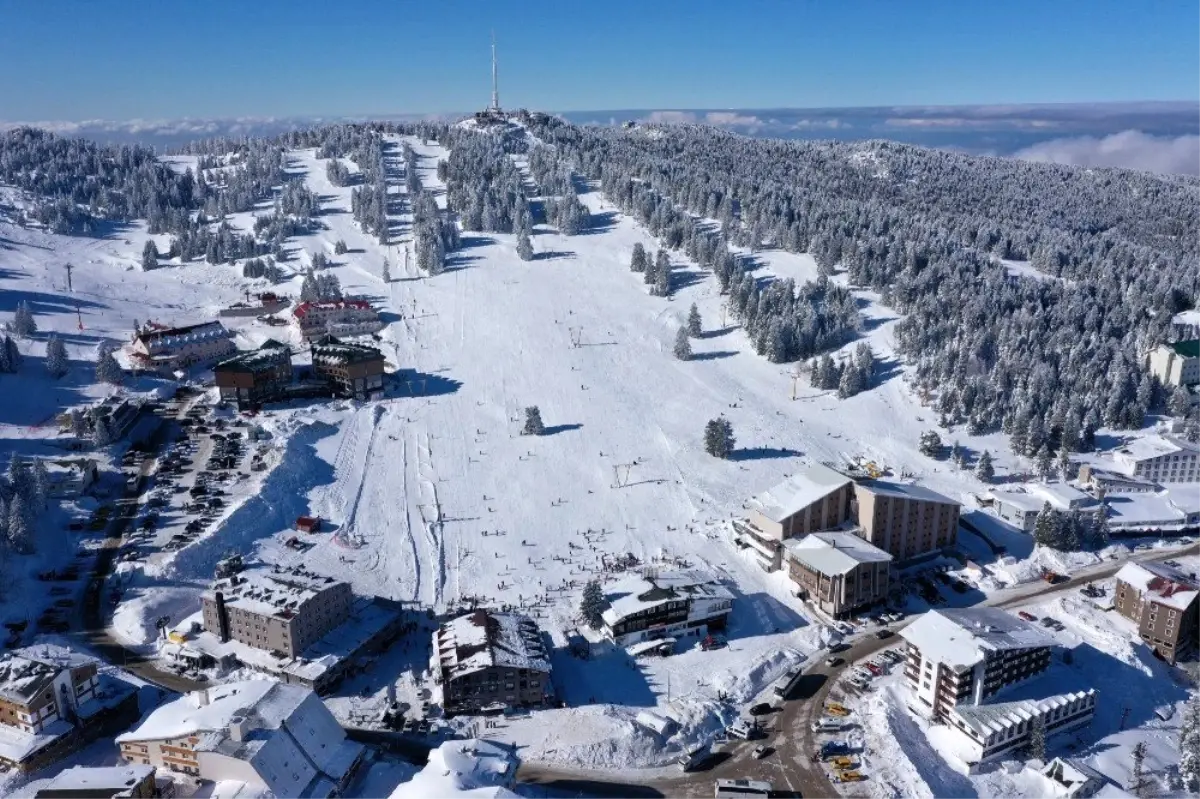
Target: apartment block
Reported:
point(838, 572)
point(488, 661)
point(1164, 603)
point(905, 520)
point(814, 498)
point(277, 609)
point(354, 370)
point(656, 606)
point(967, 668)
point(252, 378)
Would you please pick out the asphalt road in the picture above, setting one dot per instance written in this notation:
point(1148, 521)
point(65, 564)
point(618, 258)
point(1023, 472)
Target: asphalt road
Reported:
point(789, 766)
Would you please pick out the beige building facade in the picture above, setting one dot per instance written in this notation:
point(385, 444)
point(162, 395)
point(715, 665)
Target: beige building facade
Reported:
point(904, 520)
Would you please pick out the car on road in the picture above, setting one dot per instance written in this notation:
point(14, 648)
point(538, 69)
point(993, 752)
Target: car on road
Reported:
point(884, 633)
point(825, 725)
point(833, 661)
point(1026, 615)
point(840, 646)
point(761, 709)
point(761, 751)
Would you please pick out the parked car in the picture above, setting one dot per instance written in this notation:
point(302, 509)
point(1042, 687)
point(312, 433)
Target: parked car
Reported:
point(761, 709)
point(1026, 615)
point(761, 751)
point(834, 661)
point(884, 633)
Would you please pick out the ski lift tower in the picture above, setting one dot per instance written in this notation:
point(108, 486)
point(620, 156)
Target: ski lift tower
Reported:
point(495, 106)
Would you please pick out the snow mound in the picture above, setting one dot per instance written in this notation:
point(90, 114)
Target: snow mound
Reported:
point(474, 767)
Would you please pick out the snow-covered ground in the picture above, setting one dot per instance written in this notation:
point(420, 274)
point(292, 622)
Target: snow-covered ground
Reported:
point(432, 494)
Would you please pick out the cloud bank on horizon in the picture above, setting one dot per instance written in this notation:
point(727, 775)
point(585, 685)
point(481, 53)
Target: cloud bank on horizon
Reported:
point(1154, 136)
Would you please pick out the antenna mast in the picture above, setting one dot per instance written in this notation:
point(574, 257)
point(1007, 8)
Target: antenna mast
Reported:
point(495, 81)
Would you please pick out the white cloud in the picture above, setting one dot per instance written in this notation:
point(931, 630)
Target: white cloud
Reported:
point(670, 117)
point(1130, 149)
point(731, 118)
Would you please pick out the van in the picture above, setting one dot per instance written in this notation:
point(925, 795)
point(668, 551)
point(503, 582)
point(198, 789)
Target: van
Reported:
point(826, 725)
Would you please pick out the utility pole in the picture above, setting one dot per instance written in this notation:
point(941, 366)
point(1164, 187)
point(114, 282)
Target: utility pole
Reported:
point(69, 287)
point(78, 315)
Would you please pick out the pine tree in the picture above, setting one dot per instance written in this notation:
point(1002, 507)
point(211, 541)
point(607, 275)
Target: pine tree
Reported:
point(308, 288)
point(683, 345)
point(1044, 463)
point(984, 469)
point(662, 275)
point(149, 256)
point(638, 262)
point(931, 444)
point(56, 357)
point(593, 605)
point(1045, 529)
point(694, 327)
point(339, 247)
point(1037, 739)
point(718, 438)
point(1179, 403)
point(851, 383)
point(864, 358)
point(1137, 777)
point(533, 422)
point(101, 435)
point(107, 368)
point(1189, 745)
point(39, 484)
point(20, 525)
point(23, 323)
point(1066, 467)
point(1071, 531)
point(386, 273)
point(1100, 530)
point(524, 246)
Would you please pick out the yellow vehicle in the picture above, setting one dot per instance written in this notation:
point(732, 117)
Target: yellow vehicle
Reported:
point(836, 709)
point(840, 762)
point(850, 776)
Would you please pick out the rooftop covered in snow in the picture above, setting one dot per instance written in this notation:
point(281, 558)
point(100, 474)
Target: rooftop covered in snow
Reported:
point(1160, 583)
point(271, 590)
point(905, 491)
point(834, 552)
point(808, 485)
point(991, 718)
point(637, 592)
point(100, 780)
point(482, 639)
point(961, 637)
point(1144, 448)
point(1033, 496)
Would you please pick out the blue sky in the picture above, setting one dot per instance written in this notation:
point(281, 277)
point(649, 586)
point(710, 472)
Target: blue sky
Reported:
point(121, 59)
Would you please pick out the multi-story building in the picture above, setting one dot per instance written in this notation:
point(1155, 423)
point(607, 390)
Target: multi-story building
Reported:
point(958, 661)
point(252, 378)
point(1164, 604)
point(655, 606)
point(814, 498)
point(53, 701)
point(348, 317)
point(261, 733)
point(1176, 364)
point(170, 348)
point(905, 520)
point(488, 661)
point(1157, 458)
point(1021, 505)
point(838, 572)
point(354, 370)
point(102, 782)
point(276, 609)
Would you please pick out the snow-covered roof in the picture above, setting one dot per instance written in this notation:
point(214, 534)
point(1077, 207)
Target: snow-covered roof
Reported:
point(101, 780)
point(834, 553)
point(270, 354)
point(992, 718)
point(1032, 496)
point(1191, 317)
point(905, 491)
point(271, 590)
point(636, 593)
point(352, 305)
point(1143, 509)
point(1160, 583)
point(157, 339)
point(330, 350)
point(284, 732)
point(22, 679)
point(482, 639)
point(1145, 448)
point(1068, 773)
point(808, 485)
point(961, 637)
point(16, 744)
point(473, 768)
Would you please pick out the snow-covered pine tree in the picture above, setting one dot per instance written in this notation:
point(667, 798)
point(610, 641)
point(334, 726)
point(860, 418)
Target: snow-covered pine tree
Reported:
point(1189, 745)
point(101, 436)
point(524, 246)
point(694, 325)
point(1045, 528)
point(149, 256)
point(386, 273)
point(107, 368)
point(533, 422)
point(985, 470)
point(1100, 533)
point(1066, 467)
point(1071, 531)
point(718, 438)
point(23, 323)
point(56, 357)
point(39, 481)
point(1044, 463)
point(638, 262)
point(12, 355)
point(864, 358)
point(683, 345)
point(1179, 403)
point(21, 521)
point(1037, 739)
point(593, 605)
point(931, 444)
point(662, 277)
point(339, 247)
point(851, 382)
point(308, 288)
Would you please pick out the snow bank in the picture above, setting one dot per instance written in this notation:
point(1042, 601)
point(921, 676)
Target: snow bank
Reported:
point(475, 768)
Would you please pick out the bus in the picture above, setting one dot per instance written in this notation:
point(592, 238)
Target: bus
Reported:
point(742, 788)
point(787, 684)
